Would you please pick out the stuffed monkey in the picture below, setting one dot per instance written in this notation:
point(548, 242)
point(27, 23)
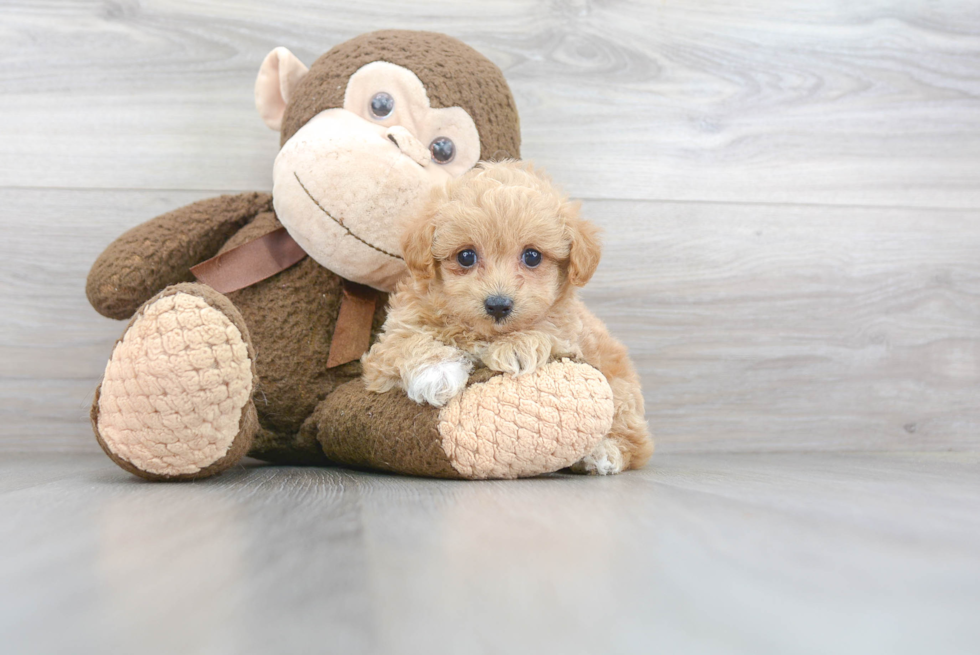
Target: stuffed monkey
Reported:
point(248, 313)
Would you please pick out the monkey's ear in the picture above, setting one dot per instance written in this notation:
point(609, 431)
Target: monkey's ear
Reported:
point(584, 252)
point(281, 71)
point(416, 244)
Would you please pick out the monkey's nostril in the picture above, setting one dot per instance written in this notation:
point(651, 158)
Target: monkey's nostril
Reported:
point(498, 306)
point(408, 144)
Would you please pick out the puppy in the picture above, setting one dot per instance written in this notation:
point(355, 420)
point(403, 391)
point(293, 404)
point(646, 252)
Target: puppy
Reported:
point(495, 263)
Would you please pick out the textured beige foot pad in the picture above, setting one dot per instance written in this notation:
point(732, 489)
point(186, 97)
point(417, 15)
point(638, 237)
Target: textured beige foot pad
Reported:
point(172, 400)
point(499, 427)
point(511, 427)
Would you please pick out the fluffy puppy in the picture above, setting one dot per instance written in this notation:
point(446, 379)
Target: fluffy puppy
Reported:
point(495, 263)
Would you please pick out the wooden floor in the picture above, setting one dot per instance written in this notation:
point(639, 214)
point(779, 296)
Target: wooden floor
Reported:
point(700, 553)
point(791, 200)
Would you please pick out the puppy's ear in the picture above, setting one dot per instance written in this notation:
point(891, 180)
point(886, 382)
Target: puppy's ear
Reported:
point(584, 252)
point(416, 244)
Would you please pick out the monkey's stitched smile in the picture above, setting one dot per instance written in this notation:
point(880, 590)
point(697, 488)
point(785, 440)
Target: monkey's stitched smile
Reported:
point(338, 222)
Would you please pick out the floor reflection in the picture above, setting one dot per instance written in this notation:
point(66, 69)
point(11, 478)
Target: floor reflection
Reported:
point(204, 566)
point(171, 561)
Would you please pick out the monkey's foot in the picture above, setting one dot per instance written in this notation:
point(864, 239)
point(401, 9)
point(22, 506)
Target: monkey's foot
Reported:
point(175, 402)
point(501, 426)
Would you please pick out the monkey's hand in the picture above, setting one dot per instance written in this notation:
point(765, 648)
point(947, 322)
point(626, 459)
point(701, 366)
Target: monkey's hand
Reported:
point(160, 252)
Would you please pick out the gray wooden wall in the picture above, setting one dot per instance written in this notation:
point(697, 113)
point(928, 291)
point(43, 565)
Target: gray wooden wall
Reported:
point(790, 191)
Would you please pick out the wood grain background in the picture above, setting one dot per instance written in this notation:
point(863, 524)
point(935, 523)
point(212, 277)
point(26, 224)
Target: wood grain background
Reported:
point(790, 191)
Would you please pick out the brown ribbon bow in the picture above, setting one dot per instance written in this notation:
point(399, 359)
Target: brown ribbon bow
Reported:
point(272, 253)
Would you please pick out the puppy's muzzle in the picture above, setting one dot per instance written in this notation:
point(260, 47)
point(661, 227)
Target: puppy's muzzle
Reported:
point(499, 307)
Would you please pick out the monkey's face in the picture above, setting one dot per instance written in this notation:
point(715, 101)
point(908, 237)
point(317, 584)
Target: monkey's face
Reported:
point(347, 180)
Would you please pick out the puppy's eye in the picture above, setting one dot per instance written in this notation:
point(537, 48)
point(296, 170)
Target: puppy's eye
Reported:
point(443, 150)
point(466, 258)
point(382, 104)
point(531, 258)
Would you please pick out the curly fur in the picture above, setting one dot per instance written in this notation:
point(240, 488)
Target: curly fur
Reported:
point(438, 326)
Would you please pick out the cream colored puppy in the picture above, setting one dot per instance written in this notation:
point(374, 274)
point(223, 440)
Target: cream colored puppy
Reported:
point(495, 263)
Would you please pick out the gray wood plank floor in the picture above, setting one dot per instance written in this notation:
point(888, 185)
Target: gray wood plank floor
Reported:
point(706, 553)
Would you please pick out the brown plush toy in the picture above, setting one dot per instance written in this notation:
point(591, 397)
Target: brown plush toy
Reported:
point(260, 356)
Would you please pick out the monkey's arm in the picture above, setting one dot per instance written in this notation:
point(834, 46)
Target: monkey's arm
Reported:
point(150, 257)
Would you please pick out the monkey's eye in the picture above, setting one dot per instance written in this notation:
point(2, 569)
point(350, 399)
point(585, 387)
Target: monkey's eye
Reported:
point(531, 258)
point(382, 104)
point(466, 258)
point(443, 150)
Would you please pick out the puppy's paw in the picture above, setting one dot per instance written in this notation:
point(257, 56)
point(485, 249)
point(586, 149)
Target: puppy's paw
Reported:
point(605, 459)
point(437, 383)
point(518, 354)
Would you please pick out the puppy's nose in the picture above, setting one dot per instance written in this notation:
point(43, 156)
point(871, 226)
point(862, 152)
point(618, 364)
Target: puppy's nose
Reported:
point(498, 306)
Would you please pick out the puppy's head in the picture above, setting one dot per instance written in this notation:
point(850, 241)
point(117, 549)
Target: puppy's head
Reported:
point(499, 247)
